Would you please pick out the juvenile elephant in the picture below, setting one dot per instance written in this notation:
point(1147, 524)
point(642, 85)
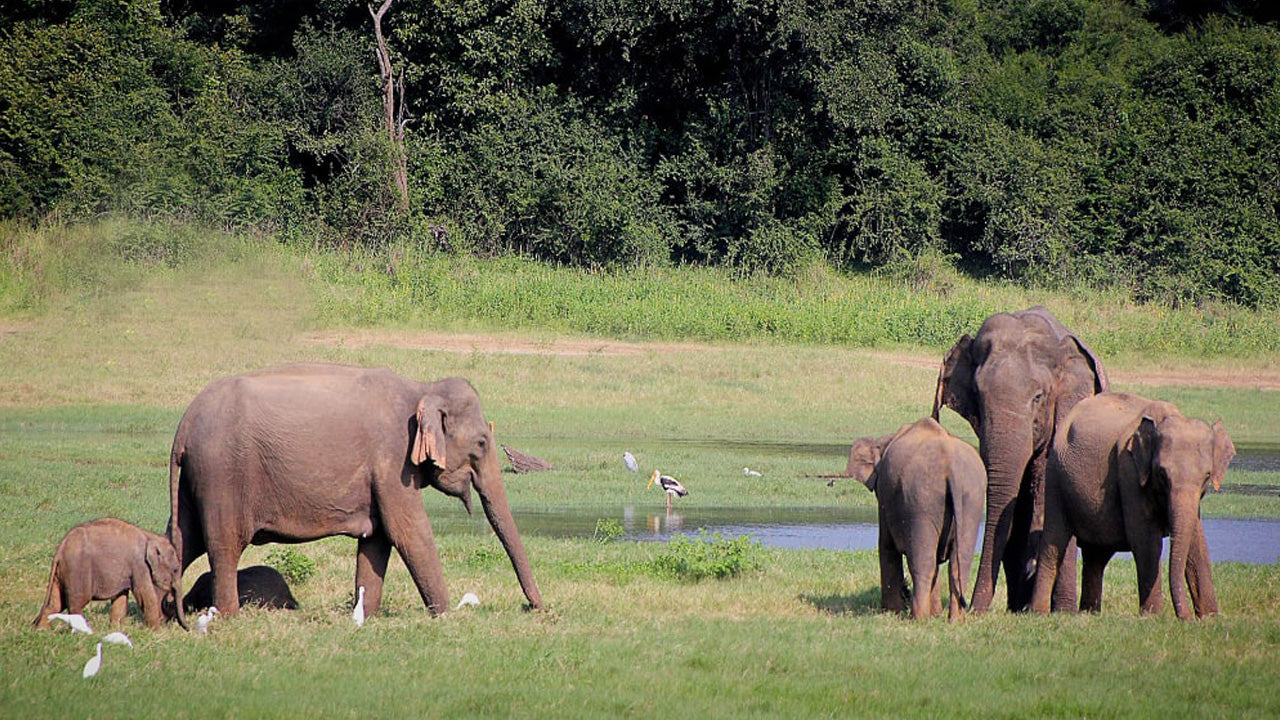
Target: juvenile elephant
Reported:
point(301, 452)
point(929, 486)
point(107, 558)
point(1014, 382)
point(1125, 472)
point(259, 585)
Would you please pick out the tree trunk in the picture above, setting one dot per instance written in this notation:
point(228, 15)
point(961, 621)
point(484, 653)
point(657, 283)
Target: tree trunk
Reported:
point(392, 110)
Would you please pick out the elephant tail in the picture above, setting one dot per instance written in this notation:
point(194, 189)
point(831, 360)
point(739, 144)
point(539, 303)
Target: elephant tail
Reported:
point(52, 602)
point(175, 477)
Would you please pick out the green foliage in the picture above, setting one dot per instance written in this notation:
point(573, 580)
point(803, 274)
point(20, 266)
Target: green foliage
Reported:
point(709, 555)
point(293, 565)
point(1127, 146)
point(607, 529)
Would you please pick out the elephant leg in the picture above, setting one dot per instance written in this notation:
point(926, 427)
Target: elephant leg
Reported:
point(119, 608)
point(1064, 588)
point(372, 554)
point(223, 561)
point(1146, 555)
point(1019, 556)
point(1095, 565)
point(409, 530)
point(892, 583)
point(1200, 577)
point(924, 588)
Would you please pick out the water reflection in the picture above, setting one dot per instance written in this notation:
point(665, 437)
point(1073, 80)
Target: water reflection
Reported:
point(1229, 539)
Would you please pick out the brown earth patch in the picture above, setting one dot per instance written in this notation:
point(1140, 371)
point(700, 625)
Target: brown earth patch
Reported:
point(1261, 377)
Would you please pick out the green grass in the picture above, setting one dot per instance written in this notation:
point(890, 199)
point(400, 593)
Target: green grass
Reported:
point(94, 374)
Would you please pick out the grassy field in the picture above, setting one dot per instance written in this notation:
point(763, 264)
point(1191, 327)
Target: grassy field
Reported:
point(100, 354)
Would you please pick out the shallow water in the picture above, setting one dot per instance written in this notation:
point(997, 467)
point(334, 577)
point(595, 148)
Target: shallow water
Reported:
point(1229, 539)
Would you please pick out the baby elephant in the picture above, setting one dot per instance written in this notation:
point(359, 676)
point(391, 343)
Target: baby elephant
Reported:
point(105, 559)
point(1123, 473)
point(259, 585)
point(930, 487)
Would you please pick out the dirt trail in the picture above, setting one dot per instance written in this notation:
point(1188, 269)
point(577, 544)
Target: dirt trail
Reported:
point(1264, 377)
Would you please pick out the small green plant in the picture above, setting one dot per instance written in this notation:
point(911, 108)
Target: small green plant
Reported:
point(293, 565)
point(607, 529)
point(483, 558)
point(709, 555)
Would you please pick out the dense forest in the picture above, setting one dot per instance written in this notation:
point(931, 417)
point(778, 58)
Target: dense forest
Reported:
point(1083, 143)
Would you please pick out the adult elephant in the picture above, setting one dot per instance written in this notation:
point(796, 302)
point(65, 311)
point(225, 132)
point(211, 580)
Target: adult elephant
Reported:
point(301, 452)
point(1014, 381)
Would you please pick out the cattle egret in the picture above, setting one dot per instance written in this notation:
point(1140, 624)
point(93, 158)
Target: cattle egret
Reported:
point(468, 599)
point(202, 622)
point(630, 461)
point(117, 638)
point(95, 663)
point(669, 485)
point(357, 613)
point(76, 621)
point(750, 472)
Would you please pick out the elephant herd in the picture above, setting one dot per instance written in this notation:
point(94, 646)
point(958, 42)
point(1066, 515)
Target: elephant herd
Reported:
point(1063, 462)
point(301, 452)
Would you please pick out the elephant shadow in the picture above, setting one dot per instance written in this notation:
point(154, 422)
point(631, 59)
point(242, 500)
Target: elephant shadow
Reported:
point(866, 602)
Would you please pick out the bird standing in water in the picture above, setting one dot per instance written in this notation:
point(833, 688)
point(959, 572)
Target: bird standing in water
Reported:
point(669, 485)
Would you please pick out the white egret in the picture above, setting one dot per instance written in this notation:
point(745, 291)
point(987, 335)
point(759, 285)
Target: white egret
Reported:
point(630, 461)
point(669, 485)
point(748, 471)
point(117, 638)
point(202, 622)
point(468, 599)
point(357, 613)
point(92, 667)
point(76, 621)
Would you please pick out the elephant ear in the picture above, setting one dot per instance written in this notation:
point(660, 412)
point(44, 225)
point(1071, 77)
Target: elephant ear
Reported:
point(1101, 383)
point(1223, 451)
point(428, 438)
point(956, 388)
point(1141, 446)
point(863, 456)
point(155, 563)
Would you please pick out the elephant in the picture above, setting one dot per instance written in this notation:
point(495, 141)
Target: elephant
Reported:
point(929, 486)
point(1123, 473)
point(1014, 382)
point(258, 585)
point(300, 452)
point(106, 559)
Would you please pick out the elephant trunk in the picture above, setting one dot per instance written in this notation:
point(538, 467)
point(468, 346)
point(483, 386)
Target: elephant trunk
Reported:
point(493, 498)
point(1006, 465)
point(1184, 521)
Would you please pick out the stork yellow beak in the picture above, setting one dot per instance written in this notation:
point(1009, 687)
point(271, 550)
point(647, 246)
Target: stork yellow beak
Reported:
point(652, 479)
point(492, 430)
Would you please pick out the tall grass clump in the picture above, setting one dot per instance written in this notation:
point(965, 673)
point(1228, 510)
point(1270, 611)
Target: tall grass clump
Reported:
point(709, 555)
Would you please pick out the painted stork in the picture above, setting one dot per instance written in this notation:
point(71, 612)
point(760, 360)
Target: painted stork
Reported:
point(669, 485)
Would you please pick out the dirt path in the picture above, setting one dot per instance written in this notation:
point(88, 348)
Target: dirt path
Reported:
point(1262, 376)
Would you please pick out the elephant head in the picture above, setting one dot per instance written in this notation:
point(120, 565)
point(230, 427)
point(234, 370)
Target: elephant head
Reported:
point(864, 455)
point(166, 575)
point(1012, 382)
point(455, 447)
point(1175, 461)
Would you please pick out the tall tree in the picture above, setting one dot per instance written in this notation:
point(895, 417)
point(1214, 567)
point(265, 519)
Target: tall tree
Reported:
point(392, 108)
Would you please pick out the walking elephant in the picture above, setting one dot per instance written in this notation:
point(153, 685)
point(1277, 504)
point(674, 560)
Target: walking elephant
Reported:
point(1014, 382)
point(929, 487)
point(106, 559)
point(301, 452)
point(1123, 473)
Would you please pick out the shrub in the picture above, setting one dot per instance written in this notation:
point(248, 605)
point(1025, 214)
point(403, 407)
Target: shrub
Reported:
point(709, 555)
point(293, 565)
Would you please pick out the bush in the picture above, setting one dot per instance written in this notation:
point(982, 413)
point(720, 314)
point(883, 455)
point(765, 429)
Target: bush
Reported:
point(293, 565)
point(709, 555)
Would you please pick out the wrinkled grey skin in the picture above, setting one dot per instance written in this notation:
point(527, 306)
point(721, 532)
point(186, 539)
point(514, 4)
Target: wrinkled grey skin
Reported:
point(106, 559)
point(301, 452)
point(259, 585)
point(1125, 472)
point(1013, 382)
point(929, 487)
